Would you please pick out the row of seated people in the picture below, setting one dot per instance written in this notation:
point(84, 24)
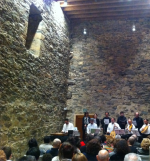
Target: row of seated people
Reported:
point(95, 148)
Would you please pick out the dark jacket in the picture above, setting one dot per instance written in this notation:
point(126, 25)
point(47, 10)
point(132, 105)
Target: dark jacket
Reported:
point(90, 157)
point(53, 152)
point(139, 122)
point(140, 151)
point(104, 126)
point(132, 149)
point(97, 122)
point(83, 122)
point(117, 157)
point(122, 121)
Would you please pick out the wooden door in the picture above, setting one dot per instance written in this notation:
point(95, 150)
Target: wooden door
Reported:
point(78, 122)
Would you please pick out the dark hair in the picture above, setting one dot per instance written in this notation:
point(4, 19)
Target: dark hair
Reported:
point(89, 137)
point(32, 143)
point(121, 112)
point(7, 151)
point(34, 152)
point(122, 147)
point(98, 138)
point(27, 158)
point(66, 119)
point(46, 139)
point(131, 140)
point(93, 147)
point(47, 157)
point(106, 112)
point(66, 151)
point(146, 119)
point(103, 138)
point(85, 113)
point(113, 118)
point(75, 141)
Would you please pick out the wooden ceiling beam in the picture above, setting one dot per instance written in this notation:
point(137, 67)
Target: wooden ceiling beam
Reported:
point(105, 6)
point(98, 11)
point(111, 15)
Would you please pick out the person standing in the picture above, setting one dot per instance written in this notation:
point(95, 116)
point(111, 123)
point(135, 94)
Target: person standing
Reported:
point(85, 122)
point(96, 120)
point(138, 121)
point(105, 121)
point(122, 121)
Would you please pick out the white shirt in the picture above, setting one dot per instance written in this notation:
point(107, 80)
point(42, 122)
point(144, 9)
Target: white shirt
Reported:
point(55, 158)
point(148, 130)
point(44, 147)
point(91, 126)
point(67, 127)
point(111, 127)
point(133, 128)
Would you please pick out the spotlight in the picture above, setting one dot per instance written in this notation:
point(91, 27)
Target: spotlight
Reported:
point(84, 32)
point(133, 28)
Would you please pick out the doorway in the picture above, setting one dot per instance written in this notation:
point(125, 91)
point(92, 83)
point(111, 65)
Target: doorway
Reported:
point(78, 122)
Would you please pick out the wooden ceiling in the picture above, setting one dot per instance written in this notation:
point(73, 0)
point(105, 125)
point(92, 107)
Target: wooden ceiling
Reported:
point(105, 9)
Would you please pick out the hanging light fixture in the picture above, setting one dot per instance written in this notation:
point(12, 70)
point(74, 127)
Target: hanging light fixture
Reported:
point(84, 31)
point(133, 28)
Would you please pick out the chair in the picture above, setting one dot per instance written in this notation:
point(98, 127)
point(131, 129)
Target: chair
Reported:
point(145, 157)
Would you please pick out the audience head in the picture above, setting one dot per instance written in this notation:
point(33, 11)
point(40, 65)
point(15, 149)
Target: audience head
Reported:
point(103, 155)
point(66, 151)
point(95, 115)
point(47, 139)
point(129, 121)
point(121, 113)
point(89, 137)
point(109, 140)
point(132, 157)
point(7, 151)
point(122, 147)
point(91, 120)
point(103, 138)
point(106, 114)
point(136, 114)
point(79, 157)
point(27, 158)
point(93, 147)
point(34, 152)
point(2, 156)
point(145, 144)
point(117, 137)
point(113, 120)
point(98, 138)
point(56, 143)
point(75, 141)
point(135, 137)
point(47, 157)
point(146, 121)
point(131, 140)
point(115, 142)
point(66, 121)
point(32, 143)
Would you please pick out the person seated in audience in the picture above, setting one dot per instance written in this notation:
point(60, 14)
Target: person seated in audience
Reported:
point(65, 152)
point(132, 157)
point(121, 150)
point(54, 150)
point(144, 150)
point(117, 137)
point(103, 155)
point(114, 145)
point(7, 151)
point(130, 142)
point(79, 157)
point(88, 138)
point(33, 148)
point(103, 139)
point(46, 146)
point(2, 155)
point(136, 143)
point(27, 158)
point(109, 144)
point(98, 138)
point(47, 157)
point(75, 141)
point(92, 149)
point(91, 125)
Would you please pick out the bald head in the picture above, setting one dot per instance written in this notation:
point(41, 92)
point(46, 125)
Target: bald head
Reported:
point(131, 140)
point(56, 143)
point(103, 155)
point(132, 157)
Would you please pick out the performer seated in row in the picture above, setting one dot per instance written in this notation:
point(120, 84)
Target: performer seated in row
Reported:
point(91, 125)
point(67, 126)
point(130, 126)
point(105, 121)
point(112, 126)
point(145, 130)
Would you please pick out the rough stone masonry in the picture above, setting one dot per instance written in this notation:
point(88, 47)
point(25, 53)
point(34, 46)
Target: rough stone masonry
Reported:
point(33, 81)
point(110, 68)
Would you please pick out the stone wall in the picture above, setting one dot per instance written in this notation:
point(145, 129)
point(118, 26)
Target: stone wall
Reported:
point(110, 68)
point(33, 82)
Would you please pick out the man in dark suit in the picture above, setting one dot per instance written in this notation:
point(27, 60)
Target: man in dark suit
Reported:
point(138, 121)
point(105, 121)
point(85, 122)
point(122, 121)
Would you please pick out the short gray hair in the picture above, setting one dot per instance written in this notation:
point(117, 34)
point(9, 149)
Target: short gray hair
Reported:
point(132, 157)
